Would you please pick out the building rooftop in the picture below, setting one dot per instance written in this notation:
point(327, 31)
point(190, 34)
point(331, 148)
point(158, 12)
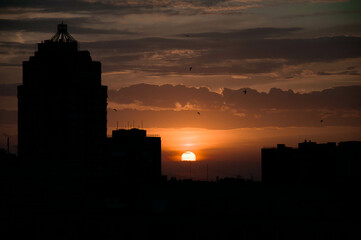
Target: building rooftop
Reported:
point(62, 34)
point(60, 44)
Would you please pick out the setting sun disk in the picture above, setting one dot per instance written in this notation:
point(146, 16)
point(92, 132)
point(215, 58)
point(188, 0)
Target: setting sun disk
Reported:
point(188, 156)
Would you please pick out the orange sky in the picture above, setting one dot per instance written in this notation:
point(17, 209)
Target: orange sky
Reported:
point(229, 153)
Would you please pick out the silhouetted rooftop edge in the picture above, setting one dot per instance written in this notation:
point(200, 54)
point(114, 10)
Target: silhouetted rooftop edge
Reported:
point(62, 35)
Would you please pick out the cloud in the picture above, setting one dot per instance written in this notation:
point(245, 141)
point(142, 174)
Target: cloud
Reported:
point(8, 89)
point(46, 25)
point(166, 96)
point(123, 7)
point(157, 41)
point(8, 117)
point(170, 106)
point(355, 73)
point(215, 57)
point(222, 53)
point(279, 99)
point(251, 33)
point(309, 1)
point(10, 65)
point(185, 7)
point(234, 108)
point(321, 13)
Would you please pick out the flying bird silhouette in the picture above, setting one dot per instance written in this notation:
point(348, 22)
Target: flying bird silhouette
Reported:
point(321, 121)
point(198, 113)
point(114, 109)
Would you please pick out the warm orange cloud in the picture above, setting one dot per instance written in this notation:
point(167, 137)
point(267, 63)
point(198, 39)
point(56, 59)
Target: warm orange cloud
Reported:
point(181, 106)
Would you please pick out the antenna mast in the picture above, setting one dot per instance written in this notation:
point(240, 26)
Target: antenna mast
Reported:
point(62, 34)
point(8, 144)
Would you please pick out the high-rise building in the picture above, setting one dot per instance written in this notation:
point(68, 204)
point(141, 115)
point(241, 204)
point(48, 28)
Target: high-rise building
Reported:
point(62, 106)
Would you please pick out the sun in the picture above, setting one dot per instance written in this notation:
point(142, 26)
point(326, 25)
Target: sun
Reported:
point(188, 156)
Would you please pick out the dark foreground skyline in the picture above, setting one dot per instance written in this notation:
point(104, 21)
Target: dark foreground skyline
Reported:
point(38, 204)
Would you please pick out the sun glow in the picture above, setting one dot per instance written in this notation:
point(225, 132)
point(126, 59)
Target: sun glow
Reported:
point(188, 156)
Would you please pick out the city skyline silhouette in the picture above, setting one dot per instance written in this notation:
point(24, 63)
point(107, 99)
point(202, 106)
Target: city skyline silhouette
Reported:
point(93, 136)
point(146, 57)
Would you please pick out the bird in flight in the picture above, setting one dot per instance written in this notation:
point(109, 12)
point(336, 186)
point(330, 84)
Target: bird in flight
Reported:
point(190, 68)
point(198, 113)
point(321, 121)
point(114, 109)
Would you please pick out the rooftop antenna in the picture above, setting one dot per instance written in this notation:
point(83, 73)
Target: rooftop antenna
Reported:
point(252, 178)
point(190, 169)
point(117, 124)
point(62, 34)
point(207, 172)
point(8, 144)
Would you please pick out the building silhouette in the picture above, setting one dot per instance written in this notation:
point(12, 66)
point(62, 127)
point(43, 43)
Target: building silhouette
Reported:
point(62, 125)
point(133, 157)
point(312, 164)
point(62, 106)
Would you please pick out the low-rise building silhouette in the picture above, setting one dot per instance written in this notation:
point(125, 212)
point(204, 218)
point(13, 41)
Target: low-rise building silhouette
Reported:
point(312, 164)
point(133, 156)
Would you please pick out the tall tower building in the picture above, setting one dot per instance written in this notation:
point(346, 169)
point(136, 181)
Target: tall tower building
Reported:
point(62, 106)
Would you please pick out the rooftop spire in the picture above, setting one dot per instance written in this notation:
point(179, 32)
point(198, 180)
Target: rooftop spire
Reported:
point(62, 35)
